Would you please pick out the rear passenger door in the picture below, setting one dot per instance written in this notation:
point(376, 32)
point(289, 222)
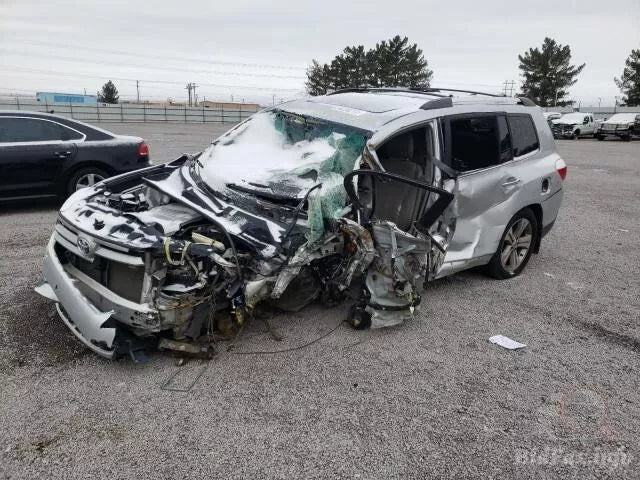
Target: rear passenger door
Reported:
point(33, 153)
point(538, 181)
point(477, 147)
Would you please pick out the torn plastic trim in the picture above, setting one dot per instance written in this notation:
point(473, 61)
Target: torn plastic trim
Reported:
point(45, 290)
point(108, 354)
point(83, 319)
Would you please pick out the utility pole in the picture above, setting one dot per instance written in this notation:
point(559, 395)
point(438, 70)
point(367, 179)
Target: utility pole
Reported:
point(188, 88)
point(191, 88)
point(508, 85)
point(138, 91)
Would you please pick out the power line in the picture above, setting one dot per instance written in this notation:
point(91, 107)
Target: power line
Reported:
point(164, 82)
point(149, 67)
point(181, 58)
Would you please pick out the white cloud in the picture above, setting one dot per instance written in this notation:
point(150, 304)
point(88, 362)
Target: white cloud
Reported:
point(467, 43)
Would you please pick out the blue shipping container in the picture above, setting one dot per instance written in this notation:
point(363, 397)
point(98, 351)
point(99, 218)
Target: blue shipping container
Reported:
point(51, 98)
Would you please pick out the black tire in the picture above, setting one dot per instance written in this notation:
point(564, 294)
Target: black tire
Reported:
point(600, 137)
point(576, 135)
point(72, 183)
point(495, 267)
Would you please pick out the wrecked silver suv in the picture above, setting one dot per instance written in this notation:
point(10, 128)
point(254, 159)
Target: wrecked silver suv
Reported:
point(370, 191)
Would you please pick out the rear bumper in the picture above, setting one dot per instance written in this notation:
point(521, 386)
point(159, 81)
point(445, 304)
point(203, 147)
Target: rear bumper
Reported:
point(84, 320)
point(550, 209)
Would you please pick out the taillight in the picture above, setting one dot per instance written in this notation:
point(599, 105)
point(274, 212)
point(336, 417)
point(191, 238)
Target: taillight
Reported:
point(561, 167)
point(143, 150)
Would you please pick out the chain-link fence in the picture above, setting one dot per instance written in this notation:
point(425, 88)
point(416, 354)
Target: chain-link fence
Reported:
point(133, 112)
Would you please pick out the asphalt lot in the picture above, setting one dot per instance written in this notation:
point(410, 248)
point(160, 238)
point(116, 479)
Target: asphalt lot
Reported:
point(431, 397)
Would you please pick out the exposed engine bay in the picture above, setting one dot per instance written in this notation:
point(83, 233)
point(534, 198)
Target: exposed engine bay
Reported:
point(185, 253)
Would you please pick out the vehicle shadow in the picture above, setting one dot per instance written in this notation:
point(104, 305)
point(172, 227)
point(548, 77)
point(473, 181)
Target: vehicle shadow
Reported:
point(29, 206)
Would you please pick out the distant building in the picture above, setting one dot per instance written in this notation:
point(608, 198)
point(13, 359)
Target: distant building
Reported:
point(250, 107)
point(52, 98)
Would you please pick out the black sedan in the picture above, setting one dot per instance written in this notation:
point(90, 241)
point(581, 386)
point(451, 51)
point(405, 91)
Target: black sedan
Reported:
point(44, 155)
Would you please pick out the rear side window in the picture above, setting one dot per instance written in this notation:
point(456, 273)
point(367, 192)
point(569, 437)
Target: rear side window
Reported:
point(523, 135)
point(13, 130)
point(478, 142)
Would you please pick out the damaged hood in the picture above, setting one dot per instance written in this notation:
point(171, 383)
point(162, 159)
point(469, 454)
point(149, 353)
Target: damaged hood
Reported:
point(143, 218)
point(622, 119)
point(569, 119)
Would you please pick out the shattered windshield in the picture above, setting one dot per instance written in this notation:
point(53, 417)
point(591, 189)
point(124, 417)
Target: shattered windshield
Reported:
point(281, 151)
point(286, 155)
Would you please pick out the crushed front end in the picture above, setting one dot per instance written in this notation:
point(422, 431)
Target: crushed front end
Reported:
point(180, 255)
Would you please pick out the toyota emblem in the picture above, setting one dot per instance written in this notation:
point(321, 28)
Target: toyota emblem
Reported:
point(86, 246)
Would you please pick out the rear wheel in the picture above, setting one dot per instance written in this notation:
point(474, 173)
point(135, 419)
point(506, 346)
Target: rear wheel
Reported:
point(85, 177)
point(515, 247)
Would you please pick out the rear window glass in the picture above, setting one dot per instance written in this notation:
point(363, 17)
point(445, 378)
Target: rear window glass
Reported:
point(523, 135)
point(14, 130)
point(477, 142)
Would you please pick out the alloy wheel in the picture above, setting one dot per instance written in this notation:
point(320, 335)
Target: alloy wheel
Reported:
point(516, 245)
point(88, 180)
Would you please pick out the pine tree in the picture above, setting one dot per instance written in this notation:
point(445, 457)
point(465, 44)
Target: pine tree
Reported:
point(391, 63)
point(548, 73)
point(629, 82)
point(109, 93)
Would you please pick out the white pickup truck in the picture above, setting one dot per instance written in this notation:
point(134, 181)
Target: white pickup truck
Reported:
point(622, 125)
point(574, 125)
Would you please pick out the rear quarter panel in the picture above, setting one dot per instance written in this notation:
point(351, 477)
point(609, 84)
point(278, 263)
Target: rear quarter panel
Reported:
point(535, 168)
point(114, 155)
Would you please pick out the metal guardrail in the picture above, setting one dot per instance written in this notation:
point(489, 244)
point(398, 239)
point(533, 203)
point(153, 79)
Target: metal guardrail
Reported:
point(124, 112)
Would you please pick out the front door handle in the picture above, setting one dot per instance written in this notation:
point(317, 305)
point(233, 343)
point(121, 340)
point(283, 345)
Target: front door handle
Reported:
point(62, 154)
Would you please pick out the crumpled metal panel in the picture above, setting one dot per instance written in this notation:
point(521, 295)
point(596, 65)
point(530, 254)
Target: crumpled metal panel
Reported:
point(396, 277)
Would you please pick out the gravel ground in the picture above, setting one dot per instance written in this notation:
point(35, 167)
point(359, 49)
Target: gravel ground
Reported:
point(431, 397)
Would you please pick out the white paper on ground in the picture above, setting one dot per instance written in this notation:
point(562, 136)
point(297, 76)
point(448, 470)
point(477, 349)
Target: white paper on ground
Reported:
point(506, 342)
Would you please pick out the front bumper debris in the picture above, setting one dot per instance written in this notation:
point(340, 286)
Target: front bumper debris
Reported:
point(563, 131)
point(84, 320)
